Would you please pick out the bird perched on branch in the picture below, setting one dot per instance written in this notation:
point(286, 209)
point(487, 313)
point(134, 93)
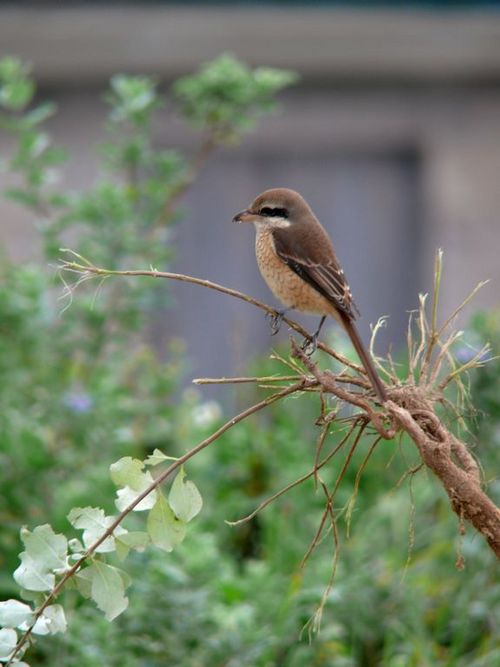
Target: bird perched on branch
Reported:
point(297, 260)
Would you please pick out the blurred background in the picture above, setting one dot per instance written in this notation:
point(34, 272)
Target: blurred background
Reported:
point(391, 131)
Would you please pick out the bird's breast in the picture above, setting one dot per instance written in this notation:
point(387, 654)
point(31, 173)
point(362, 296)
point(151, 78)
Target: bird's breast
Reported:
point(284, 283)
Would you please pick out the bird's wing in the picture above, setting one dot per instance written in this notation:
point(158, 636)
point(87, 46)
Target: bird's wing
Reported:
point(317, 265)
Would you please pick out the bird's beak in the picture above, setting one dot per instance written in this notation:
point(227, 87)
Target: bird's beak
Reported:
point(243, 216)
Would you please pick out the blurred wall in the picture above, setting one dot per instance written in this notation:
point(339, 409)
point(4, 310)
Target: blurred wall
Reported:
point(393, 136)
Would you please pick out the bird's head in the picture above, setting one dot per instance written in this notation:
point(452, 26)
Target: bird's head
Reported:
point(279, 207)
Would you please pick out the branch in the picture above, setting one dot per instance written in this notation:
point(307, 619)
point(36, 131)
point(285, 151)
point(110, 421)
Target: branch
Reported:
point(312, 473)
point(88, 269)
point(460, 483)
point(329, 383)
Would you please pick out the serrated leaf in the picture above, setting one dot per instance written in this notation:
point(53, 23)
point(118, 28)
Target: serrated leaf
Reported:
point(94, 523)
point(158, 457)
point(165, 529)
point(8, 641)
point(14, 613)
point(31, 576)
point(137, 541)
point(184, 498)
point(45, 554)
point(128, 473)
point(49, 549)
point(107, 589)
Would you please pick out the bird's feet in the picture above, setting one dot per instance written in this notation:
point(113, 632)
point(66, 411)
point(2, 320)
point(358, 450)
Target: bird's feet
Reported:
point(275, 320)
point(310, 345)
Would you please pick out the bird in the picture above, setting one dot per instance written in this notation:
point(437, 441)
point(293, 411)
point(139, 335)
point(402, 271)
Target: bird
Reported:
point(298, 262)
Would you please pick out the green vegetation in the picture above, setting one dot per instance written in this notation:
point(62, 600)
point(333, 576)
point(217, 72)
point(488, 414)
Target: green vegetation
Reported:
point(78, 392)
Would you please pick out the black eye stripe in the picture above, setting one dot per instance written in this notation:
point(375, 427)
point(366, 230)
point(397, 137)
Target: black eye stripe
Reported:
point(276, 212)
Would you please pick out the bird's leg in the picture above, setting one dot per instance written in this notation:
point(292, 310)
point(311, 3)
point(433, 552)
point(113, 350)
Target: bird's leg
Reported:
point(275, 320)
point(310, 344)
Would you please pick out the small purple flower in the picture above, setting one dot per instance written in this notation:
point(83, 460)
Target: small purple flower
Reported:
point(464, 354)
point(78, 401)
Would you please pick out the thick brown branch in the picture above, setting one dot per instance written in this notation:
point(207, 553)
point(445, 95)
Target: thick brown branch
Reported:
point(461, 484)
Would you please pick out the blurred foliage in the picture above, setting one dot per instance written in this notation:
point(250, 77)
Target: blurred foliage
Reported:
point(79, 391)
point(227, 95)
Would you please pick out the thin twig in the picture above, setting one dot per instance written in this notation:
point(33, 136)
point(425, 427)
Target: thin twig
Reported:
point(316, 622)
point(88, 268)
point(243, 380)
point(450, 319)
point(328, 381)
point(433, 336)
point(293, 484)
point(357, 480)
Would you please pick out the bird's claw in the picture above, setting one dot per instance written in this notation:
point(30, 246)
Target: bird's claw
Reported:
point(310, 345)
point(275, 320)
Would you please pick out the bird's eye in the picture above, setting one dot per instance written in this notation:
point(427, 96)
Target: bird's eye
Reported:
point(269, 212)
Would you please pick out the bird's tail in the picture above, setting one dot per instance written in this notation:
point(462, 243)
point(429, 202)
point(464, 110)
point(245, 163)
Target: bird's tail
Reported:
point(364, 356)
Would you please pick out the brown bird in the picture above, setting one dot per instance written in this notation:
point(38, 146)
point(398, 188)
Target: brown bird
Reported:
point(297, 260)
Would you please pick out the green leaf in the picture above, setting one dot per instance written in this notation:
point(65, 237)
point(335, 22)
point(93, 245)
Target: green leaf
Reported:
point(8, 641)
point(94, 523)
point(184, 498)
point(137, 541)
point(16, 86)
point(14, 613)
point(165, 529)
point(56, 618)
point(45, 554)
point(105, 585)
point(83, 581)
point(128, 473)
point(39, 114)
point(50, 548)
point(15, 95)
point(133, 98)
point(21, 196)
point(31, 576)
point(158, 457)
point(52, 621)
point(76, 547)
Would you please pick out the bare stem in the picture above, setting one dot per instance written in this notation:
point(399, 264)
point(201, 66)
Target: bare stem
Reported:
point(87, 268)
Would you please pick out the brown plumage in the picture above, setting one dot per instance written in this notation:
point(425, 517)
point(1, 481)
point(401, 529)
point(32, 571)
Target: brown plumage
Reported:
point(297, 260)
